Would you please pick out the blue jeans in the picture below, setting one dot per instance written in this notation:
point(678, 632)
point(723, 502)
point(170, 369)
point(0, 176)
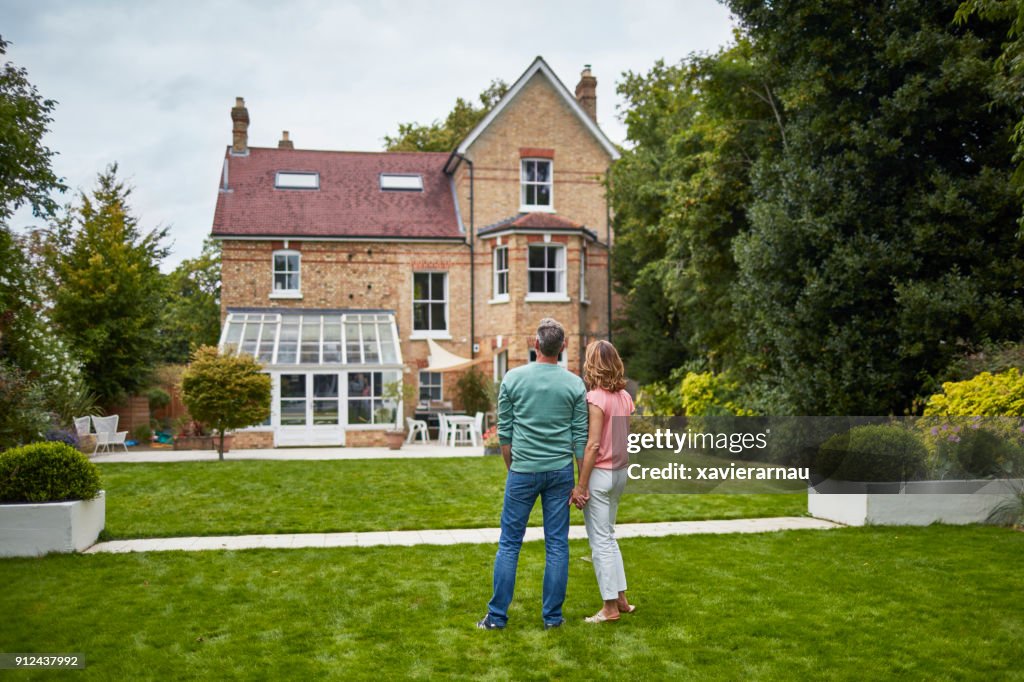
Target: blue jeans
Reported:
point(521, 491)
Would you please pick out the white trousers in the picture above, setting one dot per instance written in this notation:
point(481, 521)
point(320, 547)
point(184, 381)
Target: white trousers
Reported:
point(606, 486)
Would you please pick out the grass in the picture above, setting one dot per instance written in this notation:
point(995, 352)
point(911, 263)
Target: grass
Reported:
point(243, 497)
point(867, 603)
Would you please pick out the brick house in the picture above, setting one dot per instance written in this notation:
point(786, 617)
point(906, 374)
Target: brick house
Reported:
point(344, 272)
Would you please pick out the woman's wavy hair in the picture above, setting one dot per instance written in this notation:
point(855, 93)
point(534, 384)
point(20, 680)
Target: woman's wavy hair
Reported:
point(603, 368)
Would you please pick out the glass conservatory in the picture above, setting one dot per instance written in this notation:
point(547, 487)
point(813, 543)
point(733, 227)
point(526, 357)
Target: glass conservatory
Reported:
point(329, 369)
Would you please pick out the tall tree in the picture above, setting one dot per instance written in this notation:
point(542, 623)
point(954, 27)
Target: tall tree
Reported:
point(679, 195)
point(883, 230)
point(191, 315)
point(444, 136)
point(107, 290)
point(26, 175)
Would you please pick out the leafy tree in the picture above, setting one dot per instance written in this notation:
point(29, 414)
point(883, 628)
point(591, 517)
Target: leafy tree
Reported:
point(1008, 86)
point(473, 391)
point(106, 288)
point(23, 418)
point(444, 136)
point(225, 391)
point(679, 195)
point(191, 316)
point(882, 231)
point(25, 172)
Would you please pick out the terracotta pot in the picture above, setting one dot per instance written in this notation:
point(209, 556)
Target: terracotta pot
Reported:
point(395, 439)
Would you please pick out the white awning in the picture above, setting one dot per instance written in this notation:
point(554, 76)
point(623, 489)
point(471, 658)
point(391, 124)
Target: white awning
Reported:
point(441, 360)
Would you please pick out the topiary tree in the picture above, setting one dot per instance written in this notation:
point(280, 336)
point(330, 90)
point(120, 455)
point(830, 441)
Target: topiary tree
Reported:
point(47, 472)
point(225, 391)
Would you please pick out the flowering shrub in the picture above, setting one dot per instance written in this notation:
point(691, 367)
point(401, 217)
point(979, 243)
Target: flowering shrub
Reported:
point(491, 437)
point(985, 395)
point(695, 394)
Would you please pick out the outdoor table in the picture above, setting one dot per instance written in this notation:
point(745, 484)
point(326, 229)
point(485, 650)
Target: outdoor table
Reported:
point(457, 421)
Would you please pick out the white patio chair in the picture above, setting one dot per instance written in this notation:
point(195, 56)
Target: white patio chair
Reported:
point(478, 428)
point(107, 433)
point(82, 427)
point(416, 427)
point(442, 428)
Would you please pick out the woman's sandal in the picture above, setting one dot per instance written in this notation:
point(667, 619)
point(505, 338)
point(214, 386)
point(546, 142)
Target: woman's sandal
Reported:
point(599, 617)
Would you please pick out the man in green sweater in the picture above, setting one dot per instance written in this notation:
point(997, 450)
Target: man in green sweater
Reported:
point(542, 424)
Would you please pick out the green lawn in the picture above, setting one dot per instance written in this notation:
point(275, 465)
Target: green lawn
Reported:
point(861, 604)
point(242, 497)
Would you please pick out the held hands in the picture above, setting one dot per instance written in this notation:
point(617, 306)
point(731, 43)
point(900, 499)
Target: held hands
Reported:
point(579, 496)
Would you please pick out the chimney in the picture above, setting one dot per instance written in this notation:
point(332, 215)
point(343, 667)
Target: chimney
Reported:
point(239, 127)
point(284, 142)
point(586, 93)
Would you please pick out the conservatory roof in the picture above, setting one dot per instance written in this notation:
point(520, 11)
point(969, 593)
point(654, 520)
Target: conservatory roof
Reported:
point(313, 337)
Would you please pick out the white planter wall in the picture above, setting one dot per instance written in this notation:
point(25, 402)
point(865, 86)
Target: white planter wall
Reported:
point(37, 529)
point(913, 508)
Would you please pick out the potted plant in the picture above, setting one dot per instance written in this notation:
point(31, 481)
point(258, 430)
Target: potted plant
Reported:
point(491, 444)
point(395, 394)
point(50, 500)
point(192, 435)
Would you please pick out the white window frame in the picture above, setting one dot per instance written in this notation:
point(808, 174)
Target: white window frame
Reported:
point(430, 333)
point(285, 293)
point(428, 385)
point(496, 295)
point(500, 358)
point(583, 275)
point(524, 207)
point(401, 182)
point(559, 296)
point(281, 179)
point(563, 358)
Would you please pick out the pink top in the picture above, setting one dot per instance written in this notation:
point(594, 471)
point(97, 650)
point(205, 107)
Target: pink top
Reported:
point(612, 454)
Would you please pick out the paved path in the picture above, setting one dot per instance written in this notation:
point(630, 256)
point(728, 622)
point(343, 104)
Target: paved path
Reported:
point(410, 451)
point(452, 537)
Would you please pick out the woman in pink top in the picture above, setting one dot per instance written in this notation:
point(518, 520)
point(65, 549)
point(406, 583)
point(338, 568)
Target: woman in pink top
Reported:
point(603, 473)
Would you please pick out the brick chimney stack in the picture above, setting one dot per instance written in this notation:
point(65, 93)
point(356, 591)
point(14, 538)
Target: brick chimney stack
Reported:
point(284, 142)
point(586, 93)
point(239, 128)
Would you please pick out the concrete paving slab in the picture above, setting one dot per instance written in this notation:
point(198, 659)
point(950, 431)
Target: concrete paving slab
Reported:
point(455, 536)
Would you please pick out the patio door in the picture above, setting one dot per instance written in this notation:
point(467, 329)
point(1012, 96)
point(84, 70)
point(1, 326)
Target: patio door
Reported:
point(311, 408)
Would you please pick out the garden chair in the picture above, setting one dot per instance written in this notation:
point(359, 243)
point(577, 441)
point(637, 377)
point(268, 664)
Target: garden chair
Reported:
point(442, 428)
point(416, 427)
point(478, 427)
point(82, 427)
point(107, 433)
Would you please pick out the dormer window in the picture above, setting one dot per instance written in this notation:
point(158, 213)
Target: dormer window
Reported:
point(286, 274)
point(296, 180)
point(401, 182)
point(535, 181)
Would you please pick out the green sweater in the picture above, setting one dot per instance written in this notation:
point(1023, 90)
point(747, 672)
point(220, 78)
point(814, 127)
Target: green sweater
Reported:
point(542, 414)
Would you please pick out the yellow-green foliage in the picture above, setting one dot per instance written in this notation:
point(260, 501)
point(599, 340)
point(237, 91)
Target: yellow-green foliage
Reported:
point(699, 394)
point(225, 391)
point(985, 395)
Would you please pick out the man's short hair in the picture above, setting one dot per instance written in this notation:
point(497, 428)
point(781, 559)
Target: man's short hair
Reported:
point(550, 337)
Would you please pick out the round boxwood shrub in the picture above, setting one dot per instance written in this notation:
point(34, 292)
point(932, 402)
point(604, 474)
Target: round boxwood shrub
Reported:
point(47, 472)
point(873, 453)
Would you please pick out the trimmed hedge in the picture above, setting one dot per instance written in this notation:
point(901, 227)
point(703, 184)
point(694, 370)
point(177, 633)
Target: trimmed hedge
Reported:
point(47, 472)
point(873, 453)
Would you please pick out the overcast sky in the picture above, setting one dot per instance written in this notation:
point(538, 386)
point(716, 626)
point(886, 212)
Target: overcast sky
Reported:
point(150, 84)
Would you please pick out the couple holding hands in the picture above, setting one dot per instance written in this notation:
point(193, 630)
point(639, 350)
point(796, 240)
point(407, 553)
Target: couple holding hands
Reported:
point(546, 415)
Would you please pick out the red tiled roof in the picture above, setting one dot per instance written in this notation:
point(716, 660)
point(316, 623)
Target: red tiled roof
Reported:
point(533, 221)
point(349, 202)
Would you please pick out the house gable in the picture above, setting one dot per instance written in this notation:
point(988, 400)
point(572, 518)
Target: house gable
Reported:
point(539, 68)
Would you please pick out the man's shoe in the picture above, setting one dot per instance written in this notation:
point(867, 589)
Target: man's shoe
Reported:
point(486, 623)
point(549, 626)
